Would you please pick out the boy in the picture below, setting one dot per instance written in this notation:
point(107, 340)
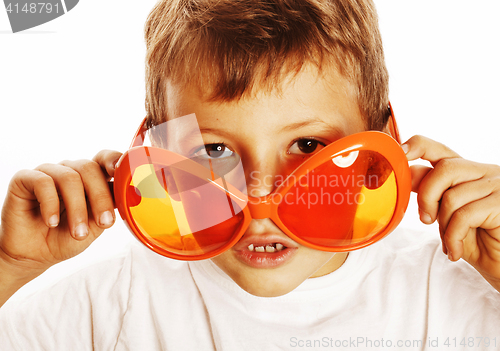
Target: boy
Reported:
point(273, 83)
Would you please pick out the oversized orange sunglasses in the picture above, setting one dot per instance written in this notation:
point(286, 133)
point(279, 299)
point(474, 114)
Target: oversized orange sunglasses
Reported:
point(191, 206)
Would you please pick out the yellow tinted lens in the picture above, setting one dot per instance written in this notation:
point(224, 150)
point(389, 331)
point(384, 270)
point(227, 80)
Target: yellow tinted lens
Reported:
point(180, 212)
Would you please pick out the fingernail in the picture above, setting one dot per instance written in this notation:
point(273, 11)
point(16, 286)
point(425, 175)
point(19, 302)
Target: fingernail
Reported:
point(54, 221)
point(106, 218)
point(405, 148)
point(445, 250)
point(81, 231)
point(425, 217)
point(450, 257)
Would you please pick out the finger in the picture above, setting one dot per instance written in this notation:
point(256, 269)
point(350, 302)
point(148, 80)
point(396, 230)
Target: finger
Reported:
point(96, 189)
point(446, 174)
point(112, 192)
point(69, 185)
point(35, 185)
point(418, 172)
point(107, 159)
point(427, 149)
point(478, 214)
point(460, 195)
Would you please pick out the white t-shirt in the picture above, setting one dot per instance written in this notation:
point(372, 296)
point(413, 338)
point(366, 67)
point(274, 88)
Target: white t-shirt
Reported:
point(401, 293)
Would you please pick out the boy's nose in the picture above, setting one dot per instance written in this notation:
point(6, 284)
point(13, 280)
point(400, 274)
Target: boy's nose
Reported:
point(259, 184)
point(261, 180)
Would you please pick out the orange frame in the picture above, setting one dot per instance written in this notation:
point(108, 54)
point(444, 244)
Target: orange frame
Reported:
point(266, 207)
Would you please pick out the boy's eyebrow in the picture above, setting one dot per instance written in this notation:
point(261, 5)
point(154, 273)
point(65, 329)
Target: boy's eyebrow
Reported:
point(298, 125)
point(333, 130)
point(215, 131)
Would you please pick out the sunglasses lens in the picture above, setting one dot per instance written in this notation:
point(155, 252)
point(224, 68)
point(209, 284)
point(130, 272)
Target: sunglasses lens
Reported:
point(344, 202)
point(181, 197)
point(182, 212)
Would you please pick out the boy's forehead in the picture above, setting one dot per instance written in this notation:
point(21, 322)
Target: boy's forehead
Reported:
point(307, 103)
point(310, 88)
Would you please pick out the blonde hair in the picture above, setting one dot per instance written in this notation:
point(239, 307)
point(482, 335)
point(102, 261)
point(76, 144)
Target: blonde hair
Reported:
point(229, 47)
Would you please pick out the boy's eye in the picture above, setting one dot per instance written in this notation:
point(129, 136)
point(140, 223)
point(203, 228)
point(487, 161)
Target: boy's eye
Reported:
point(306, 146)
point(214, 151)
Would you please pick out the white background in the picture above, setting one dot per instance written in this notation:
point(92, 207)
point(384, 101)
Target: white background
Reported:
point(74, 86)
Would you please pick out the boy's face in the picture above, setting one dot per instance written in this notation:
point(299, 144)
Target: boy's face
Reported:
point(273, 133)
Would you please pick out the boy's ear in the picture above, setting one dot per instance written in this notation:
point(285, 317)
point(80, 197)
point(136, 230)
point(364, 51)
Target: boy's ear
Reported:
point(391, 126)
point(386, 129)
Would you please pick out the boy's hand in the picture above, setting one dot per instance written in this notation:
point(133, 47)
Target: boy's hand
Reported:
point(464, 197)
point(54, 212)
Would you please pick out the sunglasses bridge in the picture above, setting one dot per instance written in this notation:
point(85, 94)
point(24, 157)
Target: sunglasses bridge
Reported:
point(261, 207)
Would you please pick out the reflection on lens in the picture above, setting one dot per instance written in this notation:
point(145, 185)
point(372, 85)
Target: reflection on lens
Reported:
point(197, 217)
point(344, 206)
point(182, 135)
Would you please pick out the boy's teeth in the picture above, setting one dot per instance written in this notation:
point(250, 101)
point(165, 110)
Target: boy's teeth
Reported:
point(270, 248)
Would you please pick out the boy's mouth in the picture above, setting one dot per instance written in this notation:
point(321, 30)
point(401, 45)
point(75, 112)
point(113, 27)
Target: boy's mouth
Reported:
point(265, 250)
point(265, 243)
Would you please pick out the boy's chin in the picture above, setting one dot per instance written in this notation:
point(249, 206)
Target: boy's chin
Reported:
point(268, 282)
point(279, 280)
point(268, 287)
